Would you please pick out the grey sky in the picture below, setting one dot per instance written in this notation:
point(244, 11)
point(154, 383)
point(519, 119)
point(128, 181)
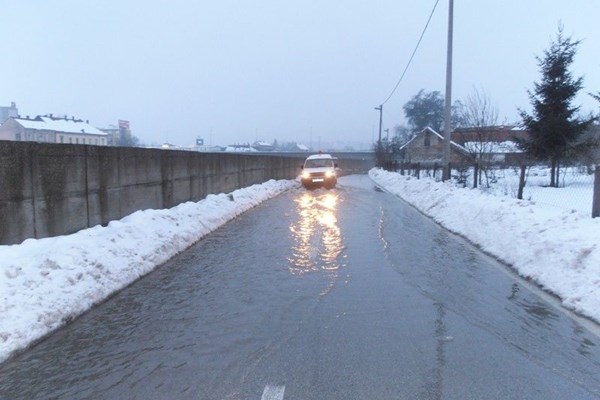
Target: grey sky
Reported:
point(272, 69)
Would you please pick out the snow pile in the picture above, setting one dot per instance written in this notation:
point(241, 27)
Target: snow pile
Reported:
point(47, 282)
point(559, 249)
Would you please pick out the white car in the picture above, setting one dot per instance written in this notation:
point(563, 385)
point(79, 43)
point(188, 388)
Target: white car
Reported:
point(319, 170)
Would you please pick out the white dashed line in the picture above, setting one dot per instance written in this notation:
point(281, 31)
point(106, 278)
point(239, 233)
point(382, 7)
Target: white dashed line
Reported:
point(273, 393)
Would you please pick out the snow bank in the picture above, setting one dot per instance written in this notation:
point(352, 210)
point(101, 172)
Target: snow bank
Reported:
point(47, 282)
point(558, 249)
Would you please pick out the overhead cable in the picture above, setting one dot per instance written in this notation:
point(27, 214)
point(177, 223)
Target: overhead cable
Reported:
point(413, 53)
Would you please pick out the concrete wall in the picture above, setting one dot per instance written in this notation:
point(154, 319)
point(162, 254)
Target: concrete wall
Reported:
point(52, 189)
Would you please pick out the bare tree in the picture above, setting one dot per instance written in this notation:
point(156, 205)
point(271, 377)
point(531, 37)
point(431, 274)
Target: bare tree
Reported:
point(478, 114)
point(402, 134)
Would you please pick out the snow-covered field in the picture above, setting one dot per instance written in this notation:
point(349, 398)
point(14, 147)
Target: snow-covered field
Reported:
point(47, 282)
point(558, 248)
point(575, 191)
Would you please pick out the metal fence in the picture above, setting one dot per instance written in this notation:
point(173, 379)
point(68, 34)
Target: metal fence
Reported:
point(578, 185)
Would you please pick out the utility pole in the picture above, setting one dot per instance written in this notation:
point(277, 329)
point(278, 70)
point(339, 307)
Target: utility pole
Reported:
point(380, 109)
point(448, 109)
point(379, 152)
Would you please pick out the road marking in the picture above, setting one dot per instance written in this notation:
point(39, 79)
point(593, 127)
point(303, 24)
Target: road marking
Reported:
point(273, 393)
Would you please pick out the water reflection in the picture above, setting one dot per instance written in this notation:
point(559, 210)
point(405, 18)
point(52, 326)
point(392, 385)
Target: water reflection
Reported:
point(316, 235)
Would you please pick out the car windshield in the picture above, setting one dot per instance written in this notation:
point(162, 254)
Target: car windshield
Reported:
point(318, 163)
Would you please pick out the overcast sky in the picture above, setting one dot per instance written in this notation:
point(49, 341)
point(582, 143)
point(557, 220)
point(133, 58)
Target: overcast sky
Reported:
point(237, 71)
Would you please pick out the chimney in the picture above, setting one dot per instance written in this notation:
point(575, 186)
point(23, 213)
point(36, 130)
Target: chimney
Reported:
point(50, 115)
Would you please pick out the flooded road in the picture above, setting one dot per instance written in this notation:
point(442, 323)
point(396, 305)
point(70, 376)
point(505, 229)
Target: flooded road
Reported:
point(340, 294)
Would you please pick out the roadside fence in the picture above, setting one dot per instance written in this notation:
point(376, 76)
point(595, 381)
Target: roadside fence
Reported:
point(578, 185)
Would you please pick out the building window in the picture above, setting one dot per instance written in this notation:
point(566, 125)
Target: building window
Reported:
point(18, 137)
point(427, 141)
point(62, 139)
point(77, 140)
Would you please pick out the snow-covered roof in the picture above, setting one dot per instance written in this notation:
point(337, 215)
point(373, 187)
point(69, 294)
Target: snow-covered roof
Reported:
point(302, 147)
point(59, 125)
point(507, 146)
point(452, 142)
point(240, 149)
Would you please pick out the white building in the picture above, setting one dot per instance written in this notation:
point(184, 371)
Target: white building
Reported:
point(49, 129)
point(7, 112)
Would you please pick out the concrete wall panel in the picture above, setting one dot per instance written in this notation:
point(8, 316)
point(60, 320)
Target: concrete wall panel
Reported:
point(54, 189)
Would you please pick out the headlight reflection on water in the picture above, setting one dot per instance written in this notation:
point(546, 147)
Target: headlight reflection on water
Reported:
point(317, 240)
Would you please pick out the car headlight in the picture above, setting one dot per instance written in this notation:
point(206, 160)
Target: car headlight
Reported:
point(329, 174)
point(305, 175)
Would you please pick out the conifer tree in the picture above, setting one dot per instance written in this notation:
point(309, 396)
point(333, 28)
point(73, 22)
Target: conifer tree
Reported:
point(554, 124)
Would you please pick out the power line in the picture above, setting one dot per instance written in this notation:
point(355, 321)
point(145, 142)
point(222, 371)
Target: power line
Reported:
point(413, 53)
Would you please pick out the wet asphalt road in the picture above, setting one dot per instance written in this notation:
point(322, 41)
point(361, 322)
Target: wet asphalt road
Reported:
point(340, 294)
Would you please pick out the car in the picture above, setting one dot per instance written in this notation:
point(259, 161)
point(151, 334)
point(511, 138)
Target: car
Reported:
point(319, 170)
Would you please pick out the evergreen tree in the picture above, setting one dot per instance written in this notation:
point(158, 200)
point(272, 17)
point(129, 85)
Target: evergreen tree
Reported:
point(596, 96)
point(554, 125)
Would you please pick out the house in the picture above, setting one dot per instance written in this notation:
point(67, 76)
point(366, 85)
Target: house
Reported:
point(49, 129)
point(492, 144)
point(262, 146)
point(427, 147)
point(240, 148)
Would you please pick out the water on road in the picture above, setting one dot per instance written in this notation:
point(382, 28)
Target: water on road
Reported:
point(327, 294)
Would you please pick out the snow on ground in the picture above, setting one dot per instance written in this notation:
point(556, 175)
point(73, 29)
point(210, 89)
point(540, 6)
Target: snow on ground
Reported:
point(557, 248)
point(575, 191)
point(47, 282)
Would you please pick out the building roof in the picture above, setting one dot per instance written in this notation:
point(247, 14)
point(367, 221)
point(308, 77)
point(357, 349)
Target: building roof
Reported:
point(431, 130)
point(505, 147)
point(489, 134)
point(59, 125)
